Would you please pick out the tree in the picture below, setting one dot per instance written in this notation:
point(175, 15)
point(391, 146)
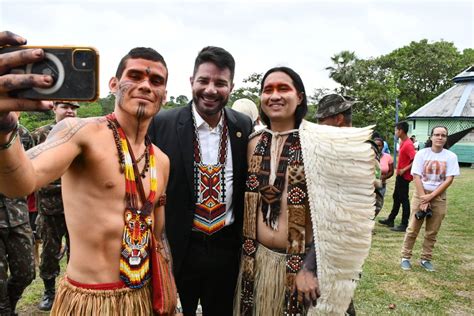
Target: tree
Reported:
point(343, 72)
point(423, 70)
point(182, 100)
point(414, 74)
point(107, 104)
point(250, 91)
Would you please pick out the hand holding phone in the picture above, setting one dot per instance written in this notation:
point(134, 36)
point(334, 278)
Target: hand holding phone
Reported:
point(74, 71)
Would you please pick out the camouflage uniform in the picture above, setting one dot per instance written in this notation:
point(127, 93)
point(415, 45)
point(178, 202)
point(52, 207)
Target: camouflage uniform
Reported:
point(51, 224)
point(333, 104)
point(16, 246)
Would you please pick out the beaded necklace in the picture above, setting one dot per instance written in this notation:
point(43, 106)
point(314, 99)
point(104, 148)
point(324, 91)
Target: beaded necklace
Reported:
point(134, 259)
point(209, 185)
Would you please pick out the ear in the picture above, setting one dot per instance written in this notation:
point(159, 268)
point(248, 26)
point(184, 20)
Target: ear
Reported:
point(113, 84)
point(231, 87)
point(300, 98)
point(163, 101)
point(340, 119)
point(191, 79)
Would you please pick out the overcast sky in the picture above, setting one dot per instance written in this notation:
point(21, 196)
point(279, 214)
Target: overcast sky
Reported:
point(259, 34)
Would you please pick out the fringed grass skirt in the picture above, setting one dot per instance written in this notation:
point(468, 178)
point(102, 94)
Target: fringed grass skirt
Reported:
point(73, 300)
point(269, 286)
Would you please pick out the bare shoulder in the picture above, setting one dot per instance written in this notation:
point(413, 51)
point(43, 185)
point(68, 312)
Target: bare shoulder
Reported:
point(70, 126)
point(64, 131)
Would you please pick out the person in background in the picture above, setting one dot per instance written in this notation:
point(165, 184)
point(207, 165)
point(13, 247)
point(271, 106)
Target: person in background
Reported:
point(416, 144)
point(16, 245)
point(51, 222)
point(433, 170)
point(386, 148)
point(335, 110)
point(249, 108)
point(386, 168)
point(403, 179)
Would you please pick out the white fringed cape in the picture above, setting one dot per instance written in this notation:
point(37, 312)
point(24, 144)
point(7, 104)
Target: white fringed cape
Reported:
point(339, 167)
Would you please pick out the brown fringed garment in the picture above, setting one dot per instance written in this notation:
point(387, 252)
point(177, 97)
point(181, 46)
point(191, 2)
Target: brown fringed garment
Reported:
point(77, 301)
point(266, 280)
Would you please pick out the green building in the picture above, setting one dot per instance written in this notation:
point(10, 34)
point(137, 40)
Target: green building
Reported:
point(454, 109)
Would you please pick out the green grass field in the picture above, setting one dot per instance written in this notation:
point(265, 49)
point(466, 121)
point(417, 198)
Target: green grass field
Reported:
point(448, 291)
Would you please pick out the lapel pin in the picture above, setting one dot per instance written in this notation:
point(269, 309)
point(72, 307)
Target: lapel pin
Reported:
point(239, 134)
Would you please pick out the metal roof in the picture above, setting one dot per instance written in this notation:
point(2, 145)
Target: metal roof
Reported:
point(456, 102)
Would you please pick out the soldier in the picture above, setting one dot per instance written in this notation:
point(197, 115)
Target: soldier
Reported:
point(16, 245)
point(336, 110)
point(51, 223)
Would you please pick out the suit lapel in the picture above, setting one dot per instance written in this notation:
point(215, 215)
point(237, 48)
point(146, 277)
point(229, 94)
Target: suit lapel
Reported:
point(185, 131)
point(235, 135)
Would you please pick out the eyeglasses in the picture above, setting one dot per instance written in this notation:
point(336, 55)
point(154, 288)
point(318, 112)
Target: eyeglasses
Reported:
point(440, 135)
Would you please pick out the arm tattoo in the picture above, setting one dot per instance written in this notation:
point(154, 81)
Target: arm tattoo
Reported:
point(60, 134)
point(166, 250)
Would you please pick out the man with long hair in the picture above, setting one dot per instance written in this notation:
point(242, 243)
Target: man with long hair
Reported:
point(294, 206)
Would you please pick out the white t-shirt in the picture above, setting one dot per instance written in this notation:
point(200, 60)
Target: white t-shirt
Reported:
point(433, 168)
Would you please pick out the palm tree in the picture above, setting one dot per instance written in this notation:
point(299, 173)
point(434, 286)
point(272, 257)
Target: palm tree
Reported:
point(343, 70)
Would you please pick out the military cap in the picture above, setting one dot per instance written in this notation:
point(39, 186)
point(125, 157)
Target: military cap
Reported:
point(333, 104)
point(72, 103)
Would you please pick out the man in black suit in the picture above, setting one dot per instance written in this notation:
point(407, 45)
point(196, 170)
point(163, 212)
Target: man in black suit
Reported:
point(206, 144)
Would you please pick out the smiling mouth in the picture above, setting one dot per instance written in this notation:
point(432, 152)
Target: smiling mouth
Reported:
point(209, 100)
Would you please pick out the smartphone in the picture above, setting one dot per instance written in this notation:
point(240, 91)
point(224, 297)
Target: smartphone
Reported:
point(75, 71)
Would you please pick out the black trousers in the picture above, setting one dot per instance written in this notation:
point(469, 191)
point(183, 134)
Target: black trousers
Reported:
point(209, 272)
point(400, 196)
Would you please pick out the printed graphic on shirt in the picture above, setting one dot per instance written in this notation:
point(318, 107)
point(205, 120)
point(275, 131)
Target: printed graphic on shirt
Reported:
point(434, 172)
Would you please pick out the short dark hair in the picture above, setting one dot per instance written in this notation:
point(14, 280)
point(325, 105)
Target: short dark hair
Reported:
point(218, 56)
point(301, 109)
point(402, 126)
point(347, 116)
point(143, 53)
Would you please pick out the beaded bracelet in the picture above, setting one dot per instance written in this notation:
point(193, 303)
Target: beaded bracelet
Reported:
point(13, 136)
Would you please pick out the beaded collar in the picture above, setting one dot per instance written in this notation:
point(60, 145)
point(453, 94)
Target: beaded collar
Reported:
point(209, 185)
point(134, 260)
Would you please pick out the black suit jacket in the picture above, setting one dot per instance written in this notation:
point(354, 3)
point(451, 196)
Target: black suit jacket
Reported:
point(172, 131)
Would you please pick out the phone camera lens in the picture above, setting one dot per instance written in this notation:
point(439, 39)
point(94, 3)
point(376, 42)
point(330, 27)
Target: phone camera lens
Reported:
point(84, 59)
